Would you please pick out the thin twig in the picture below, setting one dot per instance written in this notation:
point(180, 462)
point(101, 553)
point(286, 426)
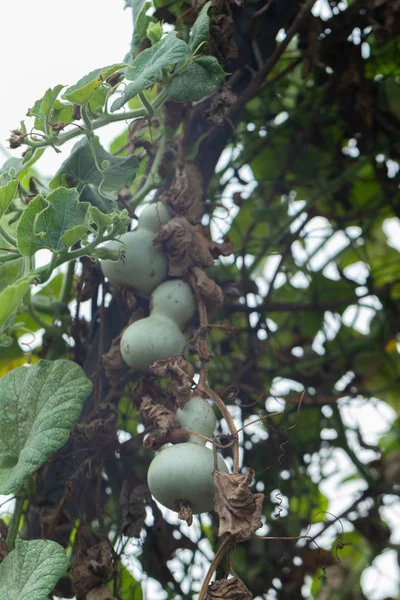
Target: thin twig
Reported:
point(231, 424)
point(217, 559)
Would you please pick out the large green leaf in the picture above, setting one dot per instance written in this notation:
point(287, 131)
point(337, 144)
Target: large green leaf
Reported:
point(83, 90)
point(31, 570)
point(149, 63)
point(46, 221)
point(39, 406)
point(80, 168)
point(199, 79)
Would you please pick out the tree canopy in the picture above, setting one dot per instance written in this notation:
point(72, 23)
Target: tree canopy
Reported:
point(269, 132)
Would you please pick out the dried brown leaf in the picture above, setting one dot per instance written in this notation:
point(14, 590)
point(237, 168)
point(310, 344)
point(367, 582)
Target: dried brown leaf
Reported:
point(100, 593)
point(181, 373)
point(211, 292)
point(154, 441)
point(157, 415)
point(114, 365)
point(92, 562)
point(185, 196)
point(220, 103)
point(185, 246)
point(184, 511)
point(133, 499)
point(228, 589)
point(100, 430)
point(239, 510)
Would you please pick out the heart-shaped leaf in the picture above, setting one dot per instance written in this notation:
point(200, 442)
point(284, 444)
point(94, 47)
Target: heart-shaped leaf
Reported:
point(45, 221)
point(199, 79)
point(39, 405)
point(80, 168)
point(149, 63)
point(32, 570)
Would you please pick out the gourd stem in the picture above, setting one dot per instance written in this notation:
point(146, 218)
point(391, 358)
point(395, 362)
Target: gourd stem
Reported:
point(231, 424)
point(217, 559)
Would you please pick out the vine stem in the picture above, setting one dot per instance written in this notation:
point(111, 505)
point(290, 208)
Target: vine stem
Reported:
point(15, 521)
point(231, 424)
point(216, 560)
point(152, 179)
point(67, 282)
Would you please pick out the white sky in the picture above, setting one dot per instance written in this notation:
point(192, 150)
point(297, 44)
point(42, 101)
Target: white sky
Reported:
point(47, 42)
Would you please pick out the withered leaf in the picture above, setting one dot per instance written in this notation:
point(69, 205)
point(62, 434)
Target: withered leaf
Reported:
point(228, 589)
point(184, 511)
point(92, 562)
point(154, 441)
point(157, 415)
point(239, 510)
point(100, 593)
point(101, 430)
point(220, 103)
point(181, 373)
point(114, 365)
point(185, 196)
point(185, 246)
point(211, 293)
point(133, 499)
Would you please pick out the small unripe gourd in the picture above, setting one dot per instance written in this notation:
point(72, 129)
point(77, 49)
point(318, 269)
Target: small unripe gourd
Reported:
point(184, 472)
point(197, 415)
point(159, 336)
point(144, 265)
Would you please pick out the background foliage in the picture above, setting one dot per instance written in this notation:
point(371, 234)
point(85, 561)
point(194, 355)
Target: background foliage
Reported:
point(299, 161)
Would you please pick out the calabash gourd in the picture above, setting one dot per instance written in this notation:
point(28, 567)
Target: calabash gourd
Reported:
point(159, 336)
point(184, 472)
point(197, 415)
point(144, 265)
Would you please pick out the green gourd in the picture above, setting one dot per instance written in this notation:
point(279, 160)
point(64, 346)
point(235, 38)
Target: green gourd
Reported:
point(159, 336)
point(144, 265)
point(197, 415)
point(184, 472)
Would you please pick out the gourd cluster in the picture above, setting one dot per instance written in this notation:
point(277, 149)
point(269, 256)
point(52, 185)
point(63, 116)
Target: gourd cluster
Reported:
point(144, 268)
point(181, 472)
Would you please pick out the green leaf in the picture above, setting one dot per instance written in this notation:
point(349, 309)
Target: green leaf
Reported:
point(140, 23)
point(49, 108)
point(128, 587)
point(82, 91)
point(39, 406)
point(200, 29)
point(31, 570)
point(199, 79)
point(149, 63)
point(7, 194)
point(10, 272)
point(45, 221)
point(80, 168)
point(10, 298)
